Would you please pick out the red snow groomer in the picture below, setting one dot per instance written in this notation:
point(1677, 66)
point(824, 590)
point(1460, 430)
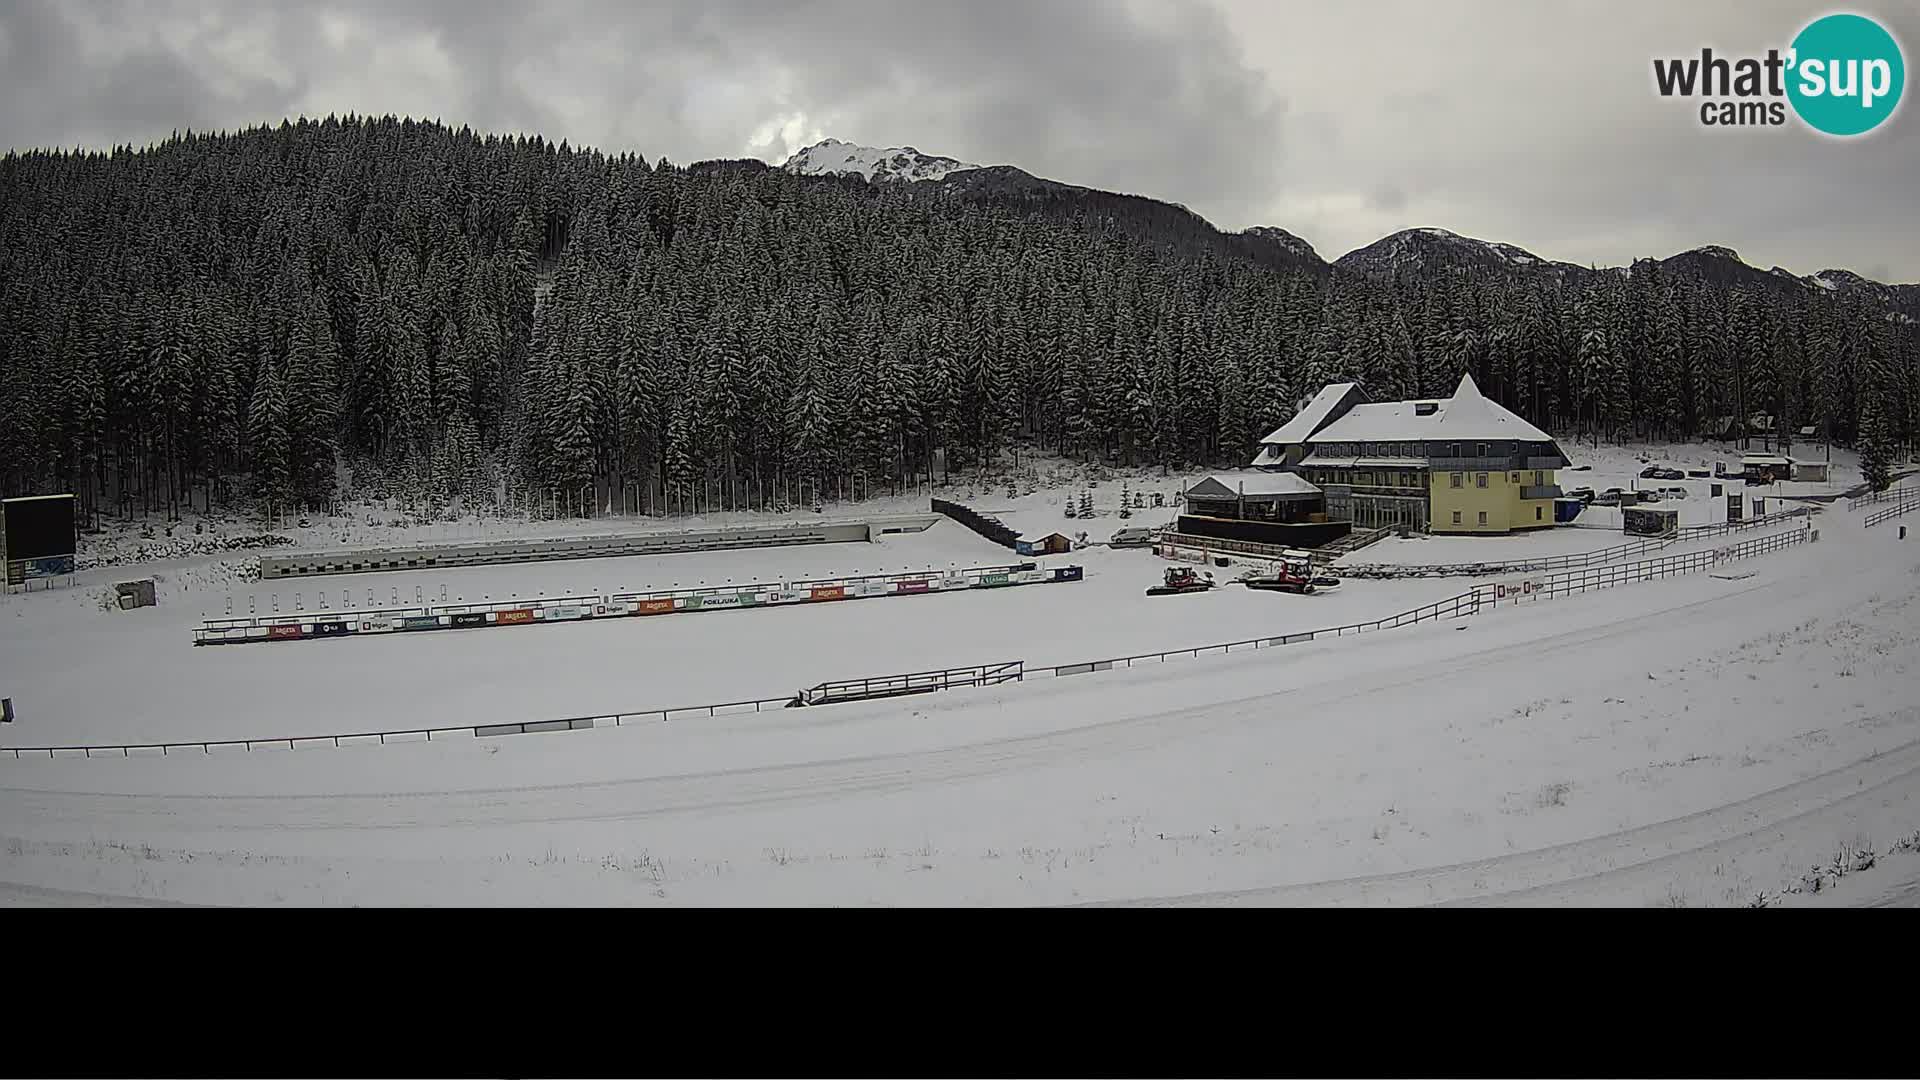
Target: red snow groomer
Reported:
point(1291, 575)
point(1181, 579)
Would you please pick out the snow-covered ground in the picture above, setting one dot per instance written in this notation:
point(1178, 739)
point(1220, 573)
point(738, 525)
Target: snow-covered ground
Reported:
point(163, 689)
point(1694, 741)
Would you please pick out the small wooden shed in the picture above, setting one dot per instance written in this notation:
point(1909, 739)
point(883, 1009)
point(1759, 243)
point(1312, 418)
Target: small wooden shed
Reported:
point(1044, 544)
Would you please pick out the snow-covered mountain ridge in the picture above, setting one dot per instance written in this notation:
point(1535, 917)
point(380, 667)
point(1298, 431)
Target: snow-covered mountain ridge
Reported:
point(1409, 250)
point(831, 157)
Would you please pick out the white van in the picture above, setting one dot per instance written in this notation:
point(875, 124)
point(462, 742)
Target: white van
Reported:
point(1133, 536)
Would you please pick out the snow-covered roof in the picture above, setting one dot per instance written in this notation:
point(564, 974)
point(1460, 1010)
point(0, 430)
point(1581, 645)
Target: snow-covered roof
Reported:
point(1302, 426)
point(1465, 415)
point(1766, 459)
point(1264, 485)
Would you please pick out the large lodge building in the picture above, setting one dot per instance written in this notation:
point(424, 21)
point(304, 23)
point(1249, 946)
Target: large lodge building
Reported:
point(1459, 465)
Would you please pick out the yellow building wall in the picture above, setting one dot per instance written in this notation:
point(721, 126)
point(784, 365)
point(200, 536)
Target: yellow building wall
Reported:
point(1500, 500)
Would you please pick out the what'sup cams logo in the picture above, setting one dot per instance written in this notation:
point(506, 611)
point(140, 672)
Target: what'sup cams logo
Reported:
point(1843, 76)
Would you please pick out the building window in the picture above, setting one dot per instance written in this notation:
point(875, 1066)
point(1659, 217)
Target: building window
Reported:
point(1456, 517)
point(1456, 479)
point(1515, 478)
point(1536, 478)
point(1536, 513)
point(1483, 517)
point(1483, 450)
point(1480, 480)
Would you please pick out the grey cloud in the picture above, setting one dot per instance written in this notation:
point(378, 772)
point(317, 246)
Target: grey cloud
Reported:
point(1531, 123)
point(1538, 124)
point(1085, 91)
point(1391, 197)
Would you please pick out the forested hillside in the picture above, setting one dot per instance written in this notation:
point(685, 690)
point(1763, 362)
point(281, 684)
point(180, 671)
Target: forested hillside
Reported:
point(231, 318)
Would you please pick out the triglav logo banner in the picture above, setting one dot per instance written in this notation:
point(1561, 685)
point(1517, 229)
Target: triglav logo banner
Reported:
point(1843, 75)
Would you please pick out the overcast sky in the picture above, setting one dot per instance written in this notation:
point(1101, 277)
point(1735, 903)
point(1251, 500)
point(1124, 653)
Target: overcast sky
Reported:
point(1528, 121)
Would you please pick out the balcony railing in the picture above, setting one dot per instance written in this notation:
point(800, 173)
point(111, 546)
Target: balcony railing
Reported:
point(1546, 463)
point(1540, 491)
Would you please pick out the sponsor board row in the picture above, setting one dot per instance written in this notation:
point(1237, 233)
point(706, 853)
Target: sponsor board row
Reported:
point(290, 628)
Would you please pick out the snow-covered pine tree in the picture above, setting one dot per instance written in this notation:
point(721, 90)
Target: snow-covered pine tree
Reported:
point(1876, 444)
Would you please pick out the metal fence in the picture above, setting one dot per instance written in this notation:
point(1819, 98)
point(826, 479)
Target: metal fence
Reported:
point(1605, 577)
point(1466, 603)
point(1892, 494)
point(434, 734)
point(1579, 561)
point(1487, 596)
point(1879, 516)
point(837, 691)
point(1211, 545)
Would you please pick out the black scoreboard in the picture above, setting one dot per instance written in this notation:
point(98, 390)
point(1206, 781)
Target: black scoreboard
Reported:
point(40, 537)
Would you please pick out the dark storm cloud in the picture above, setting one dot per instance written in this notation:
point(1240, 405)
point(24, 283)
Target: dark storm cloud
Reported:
point(1152, 99)
point(1535, 123)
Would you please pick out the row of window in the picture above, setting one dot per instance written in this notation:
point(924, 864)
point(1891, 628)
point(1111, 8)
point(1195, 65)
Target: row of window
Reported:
point(1372, 449)
point(1413, 478)
point(1539, 514)
point(1480, 479)
point(1419, 449)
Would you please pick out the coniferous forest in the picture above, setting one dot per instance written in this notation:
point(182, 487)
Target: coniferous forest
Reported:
point(239, 320)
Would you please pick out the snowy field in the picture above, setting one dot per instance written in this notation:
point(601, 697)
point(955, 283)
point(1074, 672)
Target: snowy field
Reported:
point(164, 689)
point(1693, 742)
point(1690, 743)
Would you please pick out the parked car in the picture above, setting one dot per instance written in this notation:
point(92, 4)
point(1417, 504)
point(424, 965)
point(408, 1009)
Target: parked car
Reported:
point(1673, 493)
point(1610, 497)
point(1670, 474)
point(1650, 472)
point(1584, 494)
point(1133, 536)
